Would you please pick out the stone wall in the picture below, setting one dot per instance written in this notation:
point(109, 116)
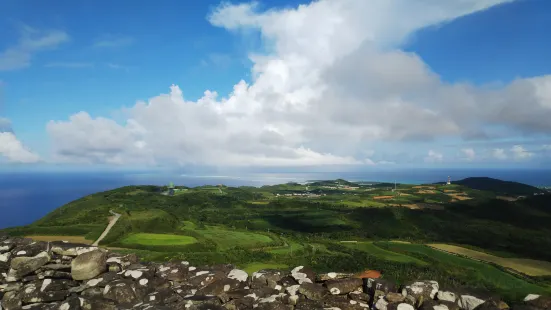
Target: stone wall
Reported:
point(64, 276)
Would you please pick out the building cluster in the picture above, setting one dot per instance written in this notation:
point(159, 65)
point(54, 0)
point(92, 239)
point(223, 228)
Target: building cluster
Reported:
point(310, 195)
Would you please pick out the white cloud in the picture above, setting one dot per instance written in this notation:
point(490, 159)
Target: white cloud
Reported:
point(469, 153)
point(499, 154)
point(69, 65)
point(433, 157)
point(547, 147)
point(14, 151)
point(520, 152)
point(332, 85)
point(113, 41)
point(31, 41)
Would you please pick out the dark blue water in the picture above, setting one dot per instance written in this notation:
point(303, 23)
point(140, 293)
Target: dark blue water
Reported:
point(26, 197)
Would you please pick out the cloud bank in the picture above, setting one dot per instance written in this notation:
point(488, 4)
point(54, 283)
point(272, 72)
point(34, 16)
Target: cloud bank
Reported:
point(332, 86)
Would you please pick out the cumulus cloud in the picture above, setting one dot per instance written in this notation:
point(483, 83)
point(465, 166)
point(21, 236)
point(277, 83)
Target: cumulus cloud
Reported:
point(332, 84)
point(469, 153)
point(14, 151)
point(433, 157)
point(31, 41)
point(520, 152)
point(499, 154)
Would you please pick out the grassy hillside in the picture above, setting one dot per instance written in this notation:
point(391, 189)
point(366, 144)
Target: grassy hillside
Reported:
point(499, 186)
point(296, 224)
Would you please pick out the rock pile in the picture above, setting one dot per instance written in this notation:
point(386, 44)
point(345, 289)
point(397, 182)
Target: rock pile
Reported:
point(64, 276)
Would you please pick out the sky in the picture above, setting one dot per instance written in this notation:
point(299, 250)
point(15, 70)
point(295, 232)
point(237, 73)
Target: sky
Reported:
point(341, 84)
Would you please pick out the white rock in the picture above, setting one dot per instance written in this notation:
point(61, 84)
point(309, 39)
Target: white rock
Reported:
point(292, 290)
point(185, 263)
point(238, 275)
point(468, 302)
point(440, 307)
point(21, 253)
point(94, 282)
point(136, 274)
point(45, 284)
point(143, 282)
point(446, 296)
point(227, 287)
point(404, 306)
point(191, 268)
point(335, 291)
point(332, 275)
point(381, 304)
point(65, 306)
point(531, 297)
point(199, 273)
point(4, 257)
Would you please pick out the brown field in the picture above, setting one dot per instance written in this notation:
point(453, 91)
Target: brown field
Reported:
point(72, 239)
point(412, 206)
point(529, 267)
point(426, 191)
point(450, 191)
point(460, 196)
point(383, 197)
point(424, 186)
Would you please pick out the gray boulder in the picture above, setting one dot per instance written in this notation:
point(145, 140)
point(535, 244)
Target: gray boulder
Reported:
point(89, 265)
point(313, 291)
point(344, 286)
point(468, 302)
point(22, 266)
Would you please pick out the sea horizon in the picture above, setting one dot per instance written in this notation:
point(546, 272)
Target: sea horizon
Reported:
point(27, 196)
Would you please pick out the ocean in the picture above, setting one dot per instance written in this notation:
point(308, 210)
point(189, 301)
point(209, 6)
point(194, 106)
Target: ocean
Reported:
point(26, 197)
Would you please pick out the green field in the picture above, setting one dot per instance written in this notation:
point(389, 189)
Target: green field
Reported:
point(254, 267)
point(157, 239)
point(291, 247)
point(477, 271)
point(225, 238)
point(374, 250)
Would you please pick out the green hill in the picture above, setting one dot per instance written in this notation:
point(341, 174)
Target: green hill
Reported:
point(285, 225)
point(499, 186)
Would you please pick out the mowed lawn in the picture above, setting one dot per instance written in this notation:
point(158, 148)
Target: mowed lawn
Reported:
point(527, 266)
point(254, 267)
point(158, 239)
point(376, 251)
point(226, 238)
point(479, 271)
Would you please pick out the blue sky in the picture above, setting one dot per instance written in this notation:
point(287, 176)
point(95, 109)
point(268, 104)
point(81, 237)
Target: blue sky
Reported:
point(467, 86)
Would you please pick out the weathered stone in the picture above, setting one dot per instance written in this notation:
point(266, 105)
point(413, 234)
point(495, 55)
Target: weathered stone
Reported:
point(307, 304)
point(22, 266)
point(359, 296)
point(380, 285)
point(89, 265)
point(122, 292)
point(333, 276)
point(395, 297)
point(303, 275)
point(401, 306)
point(343, 286)
point(493, 304)
point(468, 302)
point(540, 302)
point(70, 249)
point(11, 301)
point(313, 291)
point(427, 289)
point(221, 286)
point(446, 296)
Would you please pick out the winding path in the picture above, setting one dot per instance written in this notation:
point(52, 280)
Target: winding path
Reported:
point(112, 222)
